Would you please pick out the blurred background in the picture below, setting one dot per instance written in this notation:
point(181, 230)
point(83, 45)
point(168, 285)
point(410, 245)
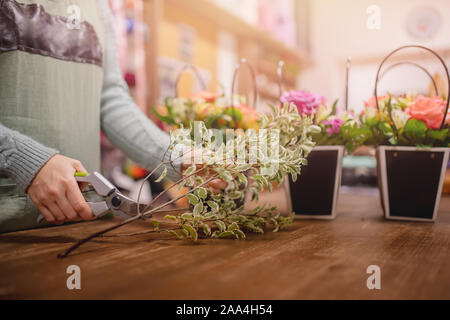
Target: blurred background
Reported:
point(314, 38)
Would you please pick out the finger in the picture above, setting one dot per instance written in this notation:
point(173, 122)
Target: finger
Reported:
point(44, 211)
point(218, 184)
point(66, 208)
point(77, 201)
point(215, 191)
point(56, 212)
point(42, 207)
point(80, 168)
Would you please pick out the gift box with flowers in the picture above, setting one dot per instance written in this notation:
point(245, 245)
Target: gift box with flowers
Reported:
point(412, 143)
point(315, 194)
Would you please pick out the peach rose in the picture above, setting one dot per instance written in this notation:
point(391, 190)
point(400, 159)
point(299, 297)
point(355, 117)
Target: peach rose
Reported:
point(372, 103)
point(429, 110)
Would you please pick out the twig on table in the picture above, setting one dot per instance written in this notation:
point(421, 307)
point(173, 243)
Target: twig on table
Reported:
point(130, 220)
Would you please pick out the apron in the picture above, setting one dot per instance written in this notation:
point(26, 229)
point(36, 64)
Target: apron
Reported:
point(50, 91)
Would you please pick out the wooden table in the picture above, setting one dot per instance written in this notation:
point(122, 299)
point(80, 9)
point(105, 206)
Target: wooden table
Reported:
point(310, 259)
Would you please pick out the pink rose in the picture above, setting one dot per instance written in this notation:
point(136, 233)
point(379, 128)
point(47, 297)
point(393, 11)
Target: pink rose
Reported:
point(429, 110)
point(306, 102)
point(335, 125)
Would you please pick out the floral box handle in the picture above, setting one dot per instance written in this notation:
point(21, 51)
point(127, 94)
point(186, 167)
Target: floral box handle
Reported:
point(378, 77)
point(402, 63)
point(252, 72)
point(196, 73)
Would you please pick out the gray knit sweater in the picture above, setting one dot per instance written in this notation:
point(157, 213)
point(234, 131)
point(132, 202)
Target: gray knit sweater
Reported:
point(121, 120)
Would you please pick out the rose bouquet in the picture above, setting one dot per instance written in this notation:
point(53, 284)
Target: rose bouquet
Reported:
point(330, 119)
point(315, 194)
point(407, 120)
point(211, 108)
point(412, 143)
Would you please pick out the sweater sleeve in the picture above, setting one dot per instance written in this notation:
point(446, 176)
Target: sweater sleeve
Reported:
point(22, 157)
point(121, 119)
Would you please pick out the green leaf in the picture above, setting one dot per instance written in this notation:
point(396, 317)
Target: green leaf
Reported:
point(186, 215)
point(220, 225)
point(233, 226)
point(198, 179)
point(155, 225)
point(243, 167)
point(190, 170)
point(202, 193)
point(206, 229)
point(439, 135)
point(226, 234)
point(170, 217)
point(192, 232)
point(198, 209)
point(224, 175)
point(180, 235)
point(334, 107)
point(163, 175)
point(213, 205)
point(184, 233)
point(415, 130)
point(242, 178)
point(239, 233)
point(192, 199)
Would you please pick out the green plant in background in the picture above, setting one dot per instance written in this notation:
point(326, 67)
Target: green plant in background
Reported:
point(289, 141)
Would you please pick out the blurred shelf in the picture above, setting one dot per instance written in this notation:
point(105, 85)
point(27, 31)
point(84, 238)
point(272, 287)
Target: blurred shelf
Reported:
point(408, 54)
point(207, 10)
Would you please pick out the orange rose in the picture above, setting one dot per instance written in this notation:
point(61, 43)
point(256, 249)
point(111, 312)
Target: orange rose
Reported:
point(429, 110)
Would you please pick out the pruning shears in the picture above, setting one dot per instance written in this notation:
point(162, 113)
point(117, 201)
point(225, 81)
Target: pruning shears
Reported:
point(115, 201)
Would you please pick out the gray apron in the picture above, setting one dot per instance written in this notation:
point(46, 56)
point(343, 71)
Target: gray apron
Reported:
point(52, 95)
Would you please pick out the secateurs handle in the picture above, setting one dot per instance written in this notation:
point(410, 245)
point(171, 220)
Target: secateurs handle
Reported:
point(101, 185)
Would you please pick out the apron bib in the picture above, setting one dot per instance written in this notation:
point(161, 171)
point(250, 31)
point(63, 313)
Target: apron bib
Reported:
point(50, 87)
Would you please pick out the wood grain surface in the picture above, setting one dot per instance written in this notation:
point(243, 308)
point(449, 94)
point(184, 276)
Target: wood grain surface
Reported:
point(308, 260)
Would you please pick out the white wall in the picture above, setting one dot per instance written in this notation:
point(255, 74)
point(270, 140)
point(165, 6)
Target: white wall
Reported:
point(338, 29)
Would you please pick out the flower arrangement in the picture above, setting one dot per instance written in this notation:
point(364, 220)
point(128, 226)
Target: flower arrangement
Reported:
point(331, 120)
point(216, 215)
point(406, 120)
point(211, 108)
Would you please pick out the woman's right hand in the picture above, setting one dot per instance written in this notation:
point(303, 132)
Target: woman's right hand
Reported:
point(56, 192)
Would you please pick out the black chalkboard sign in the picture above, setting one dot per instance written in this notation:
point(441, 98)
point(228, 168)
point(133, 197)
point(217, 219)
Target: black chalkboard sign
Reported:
point(313, 194)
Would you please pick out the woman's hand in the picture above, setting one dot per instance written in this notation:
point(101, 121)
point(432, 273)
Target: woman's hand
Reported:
point(56, 193)
point(216, 185)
